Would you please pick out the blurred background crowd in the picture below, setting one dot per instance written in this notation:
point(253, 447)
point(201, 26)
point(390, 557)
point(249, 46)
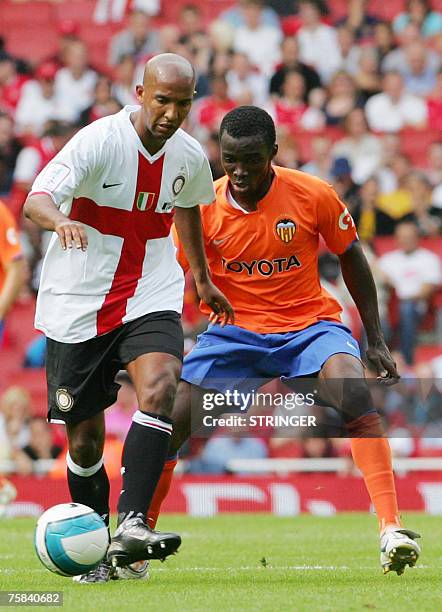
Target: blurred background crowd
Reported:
point(355, 89)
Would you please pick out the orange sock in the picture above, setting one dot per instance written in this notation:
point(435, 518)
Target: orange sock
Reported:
point(372, 455)
point(161, 492)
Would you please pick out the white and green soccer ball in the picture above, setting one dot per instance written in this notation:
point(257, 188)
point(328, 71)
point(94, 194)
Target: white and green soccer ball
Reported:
point(71, 539)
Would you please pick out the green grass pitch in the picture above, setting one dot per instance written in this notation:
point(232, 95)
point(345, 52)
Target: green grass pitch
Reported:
point(250, 562)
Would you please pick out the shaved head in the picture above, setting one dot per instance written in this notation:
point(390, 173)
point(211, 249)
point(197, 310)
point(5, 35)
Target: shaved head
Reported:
point(165, 97)
point(168, 67)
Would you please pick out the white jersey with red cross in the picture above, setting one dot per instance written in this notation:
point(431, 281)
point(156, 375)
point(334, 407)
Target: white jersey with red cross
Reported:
point(107, 180)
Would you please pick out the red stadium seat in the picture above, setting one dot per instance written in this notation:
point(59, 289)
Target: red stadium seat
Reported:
point(304, 139)
point(415, 144)
point(338, 9)
point(79, 11)
point(27, 41)
point(215, 7)
point(384, 244)
point(17, 14)
point(386, 11)
point(97, 38)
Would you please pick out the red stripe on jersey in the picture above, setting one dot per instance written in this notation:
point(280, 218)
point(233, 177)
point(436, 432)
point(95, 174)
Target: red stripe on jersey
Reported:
point(135, 227)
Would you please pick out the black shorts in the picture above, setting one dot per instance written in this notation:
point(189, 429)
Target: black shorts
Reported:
point(81, 376)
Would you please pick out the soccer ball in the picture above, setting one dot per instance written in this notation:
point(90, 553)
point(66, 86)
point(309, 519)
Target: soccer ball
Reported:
point(71, 539)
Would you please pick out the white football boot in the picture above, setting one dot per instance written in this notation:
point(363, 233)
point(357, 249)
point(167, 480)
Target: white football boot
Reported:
point(398, 549)
point(136, 571)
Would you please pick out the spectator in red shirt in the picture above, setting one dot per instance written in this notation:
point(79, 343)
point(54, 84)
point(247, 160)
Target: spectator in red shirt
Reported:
point(290, 107)
point(211, 109)
point(11, 84)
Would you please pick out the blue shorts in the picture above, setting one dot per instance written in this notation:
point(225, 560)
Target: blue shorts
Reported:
point(230, 357)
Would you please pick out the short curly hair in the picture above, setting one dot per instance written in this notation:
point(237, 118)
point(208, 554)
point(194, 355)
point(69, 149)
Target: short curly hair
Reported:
point(246, 121)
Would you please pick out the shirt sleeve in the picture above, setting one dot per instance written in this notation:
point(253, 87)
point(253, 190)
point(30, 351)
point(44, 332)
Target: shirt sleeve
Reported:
point(335, 223)
point(9, 243)
point(68, 170)
point(199, 189)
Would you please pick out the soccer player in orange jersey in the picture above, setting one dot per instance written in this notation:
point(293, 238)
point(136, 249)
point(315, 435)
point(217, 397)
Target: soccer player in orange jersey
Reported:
point(261, 239)
point(12, 278)
point(12, 268)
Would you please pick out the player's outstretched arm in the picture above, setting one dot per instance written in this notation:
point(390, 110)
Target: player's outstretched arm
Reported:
point(359, 280)
point(189, 230)
point(40, 209)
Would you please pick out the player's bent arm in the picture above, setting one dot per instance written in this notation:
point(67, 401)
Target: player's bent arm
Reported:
point(14, 281)
point(359, 280)
point(190, 235)
point(41, 209)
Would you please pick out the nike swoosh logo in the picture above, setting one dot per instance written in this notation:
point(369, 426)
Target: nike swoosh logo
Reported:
point(221, 240)
point(351, 346)
point(105, 186)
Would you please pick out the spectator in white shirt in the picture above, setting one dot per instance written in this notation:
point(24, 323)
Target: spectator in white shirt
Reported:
point(321, 159)
point(234, 16)
point(362, 149)
point(75, 83)
point(123, 88)
point(246, 82)
point(138, 39)
point(420, 69)
point(396, 60)
point(39, 103)
point(317, 41)
point(350, 53)
point(415, 274)
point(261, 43)
point(395, 109)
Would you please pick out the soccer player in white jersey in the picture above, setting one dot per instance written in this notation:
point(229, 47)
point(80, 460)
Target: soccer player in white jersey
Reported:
point(111, 292)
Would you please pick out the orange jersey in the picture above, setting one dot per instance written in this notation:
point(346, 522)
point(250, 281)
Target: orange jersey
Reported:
point(266, 261)
point(9, 243)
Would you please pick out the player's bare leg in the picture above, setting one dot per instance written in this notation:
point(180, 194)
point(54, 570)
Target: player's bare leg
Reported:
point(342, 376)
point(155, 377)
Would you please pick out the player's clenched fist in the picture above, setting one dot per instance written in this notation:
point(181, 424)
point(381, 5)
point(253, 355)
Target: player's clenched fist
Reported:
point(71, 233)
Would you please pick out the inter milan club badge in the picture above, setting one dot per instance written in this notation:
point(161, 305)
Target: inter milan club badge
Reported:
point(178, 184)
point(285, 229)
point(64, 400)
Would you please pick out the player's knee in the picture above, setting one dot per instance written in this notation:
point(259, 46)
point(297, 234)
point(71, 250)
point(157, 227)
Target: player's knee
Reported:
point(158, 395)
point(356, 401)
point(86, 450)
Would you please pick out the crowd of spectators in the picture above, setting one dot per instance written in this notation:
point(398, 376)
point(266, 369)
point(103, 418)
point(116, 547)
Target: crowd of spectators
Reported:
point(343, 95)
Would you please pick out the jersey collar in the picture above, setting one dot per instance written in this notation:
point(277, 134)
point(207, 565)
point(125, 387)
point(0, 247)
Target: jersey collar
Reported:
point(262, 203)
